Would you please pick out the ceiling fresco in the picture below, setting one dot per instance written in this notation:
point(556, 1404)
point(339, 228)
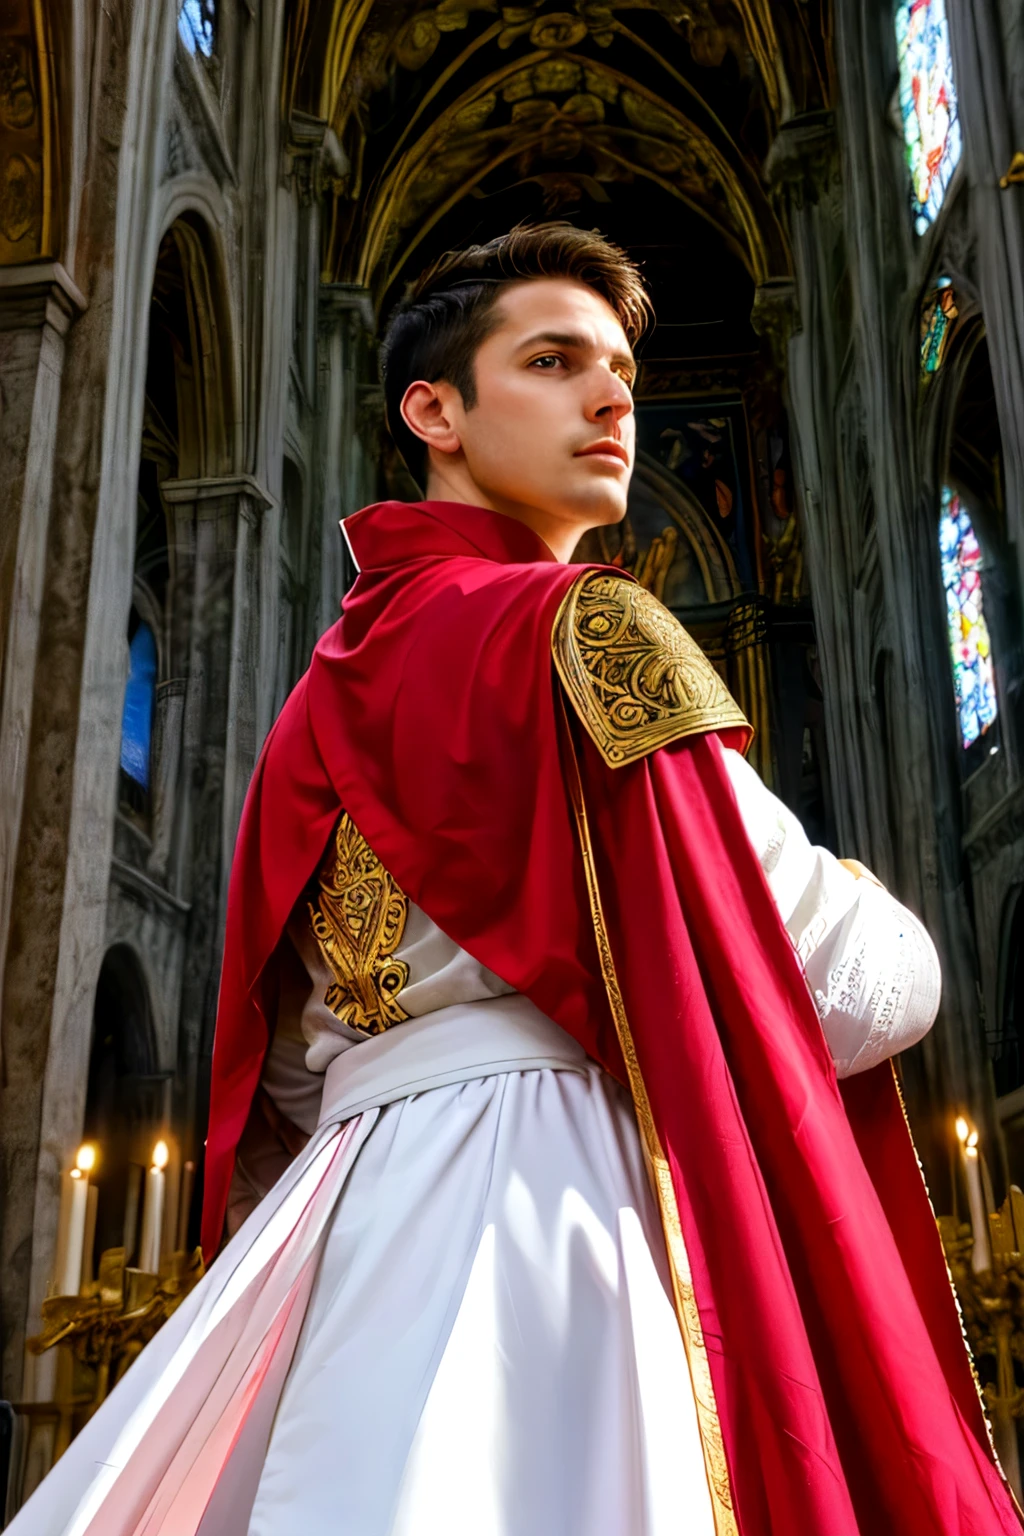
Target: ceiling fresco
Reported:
point(652, 116)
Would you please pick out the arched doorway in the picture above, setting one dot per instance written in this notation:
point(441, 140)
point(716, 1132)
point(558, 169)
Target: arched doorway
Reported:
point(125, 1095)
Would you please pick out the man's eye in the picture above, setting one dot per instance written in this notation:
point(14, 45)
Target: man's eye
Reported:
point(547, 362)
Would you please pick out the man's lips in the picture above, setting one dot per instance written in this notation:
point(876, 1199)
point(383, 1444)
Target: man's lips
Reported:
point(608, 446)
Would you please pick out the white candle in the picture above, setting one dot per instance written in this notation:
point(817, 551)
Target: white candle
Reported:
point(172, 1191)
point(187, 1183)
point(71, 1242)
point(67, 1186)
point(71, 1277)
point(89, 1246)
point(153, 1211)
point(981, 1256)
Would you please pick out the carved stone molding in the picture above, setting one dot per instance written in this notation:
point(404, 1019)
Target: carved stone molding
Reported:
point(803, 160)
point(209, 494)
point(315, 162)
point(341, 299)
point(776, 315)
point(37, 292)
point(153, 896)
point(1002, 827)
point(219, 486)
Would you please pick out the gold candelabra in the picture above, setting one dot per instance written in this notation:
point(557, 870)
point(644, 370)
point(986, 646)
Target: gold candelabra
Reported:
point(104, 1328)
point(992, 1307)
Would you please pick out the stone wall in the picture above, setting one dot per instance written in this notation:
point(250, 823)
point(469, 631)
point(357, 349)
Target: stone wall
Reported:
point(873, 444)
point(156, 139)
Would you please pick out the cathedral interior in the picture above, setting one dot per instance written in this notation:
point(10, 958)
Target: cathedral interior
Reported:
point(207, 210)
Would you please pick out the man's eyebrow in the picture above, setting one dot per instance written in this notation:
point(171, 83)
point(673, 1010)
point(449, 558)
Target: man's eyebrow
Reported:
point(576, 339)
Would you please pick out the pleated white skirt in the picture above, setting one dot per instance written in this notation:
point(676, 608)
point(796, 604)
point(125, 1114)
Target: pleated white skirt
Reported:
point(451, 1314)
point(490, 1348)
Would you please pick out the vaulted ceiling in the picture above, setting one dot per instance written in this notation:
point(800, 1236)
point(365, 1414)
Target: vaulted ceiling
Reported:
point(648, 118)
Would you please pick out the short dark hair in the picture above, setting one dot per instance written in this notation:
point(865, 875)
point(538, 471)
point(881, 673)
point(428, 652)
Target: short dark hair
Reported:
point(434, 333)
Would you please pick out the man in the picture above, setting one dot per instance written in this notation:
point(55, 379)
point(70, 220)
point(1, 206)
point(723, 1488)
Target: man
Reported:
point(550, 1218)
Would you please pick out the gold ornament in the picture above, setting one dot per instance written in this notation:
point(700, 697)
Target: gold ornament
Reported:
point(358, 917)
point(632, 673)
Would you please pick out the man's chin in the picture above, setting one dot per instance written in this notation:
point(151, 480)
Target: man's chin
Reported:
point(602, 512)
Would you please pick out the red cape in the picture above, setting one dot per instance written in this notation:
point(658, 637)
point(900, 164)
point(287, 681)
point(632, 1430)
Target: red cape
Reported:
point(839, 1384)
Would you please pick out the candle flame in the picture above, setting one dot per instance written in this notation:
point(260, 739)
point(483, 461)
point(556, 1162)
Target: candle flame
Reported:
point(970, 1152)
point(76, 1173)
point(160, 1155)
point(86, 1159)
point(972, 1140)
point(963, 1130)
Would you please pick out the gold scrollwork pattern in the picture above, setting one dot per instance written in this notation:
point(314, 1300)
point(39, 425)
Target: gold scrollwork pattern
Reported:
point(632, 673)
point(358, 914)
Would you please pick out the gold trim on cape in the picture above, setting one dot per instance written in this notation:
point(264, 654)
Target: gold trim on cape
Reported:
point(357, 913)
point(956, 1299)
point(632, 673)
point(687, 1313)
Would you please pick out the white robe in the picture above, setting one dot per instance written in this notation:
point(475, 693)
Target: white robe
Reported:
point(488, 1345)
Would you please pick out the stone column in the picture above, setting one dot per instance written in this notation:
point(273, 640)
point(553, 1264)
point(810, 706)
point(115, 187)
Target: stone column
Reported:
point(870, 506)
point(216, 626)
point(37, 305)
point(802, 327)
point(343, 469)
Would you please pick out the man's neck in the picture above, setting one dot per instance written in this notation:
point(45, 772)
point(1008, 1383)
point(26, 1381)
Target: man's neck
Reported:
point(560, 537)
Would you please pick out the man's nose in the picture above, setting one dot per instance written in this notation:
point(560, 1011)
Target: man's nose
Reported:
point(610, 400)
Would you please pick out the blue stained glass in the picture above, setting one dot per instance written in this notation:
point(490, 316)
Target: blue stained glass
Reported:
point(196, 21)
point(969, 643)
point(137, 719)
point(931, 124)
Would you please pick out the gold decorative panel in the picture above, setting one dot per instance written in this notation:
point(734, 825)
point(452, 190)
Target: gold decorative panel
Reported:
point(26, 134)
point(358, 915)
point(632, 673)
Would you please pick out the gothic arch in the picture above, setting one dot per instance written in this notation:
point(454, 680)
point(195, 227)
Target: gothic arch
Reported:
point(191, 313)
point(968, 453)
point(124, 1095)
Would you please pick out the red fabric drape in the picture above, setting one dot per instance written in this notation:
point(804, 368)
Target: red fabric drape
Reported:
point(431, 713)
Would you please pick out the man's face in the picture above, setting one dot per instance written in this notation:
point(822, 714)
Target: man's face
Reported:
point(551, 437)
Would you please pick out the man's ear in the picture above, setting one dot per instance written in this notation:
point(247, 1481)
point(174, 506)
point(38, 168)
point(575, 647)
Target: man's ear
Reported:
point(427, 411)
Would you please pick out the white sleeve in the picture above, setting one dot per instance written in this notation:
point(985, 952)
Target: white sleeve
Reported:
point(870, 966)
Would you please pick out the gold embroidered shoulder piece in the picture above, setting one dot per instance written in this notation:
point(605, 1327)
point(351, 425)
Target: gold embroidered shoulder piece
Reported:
point(632, 673)
point(358, 914)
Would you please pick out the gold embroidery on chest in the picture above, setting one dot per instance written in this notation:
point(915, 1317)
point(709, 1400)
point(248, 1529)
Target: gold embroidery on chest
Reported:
point(632, 673)
point(358, 914)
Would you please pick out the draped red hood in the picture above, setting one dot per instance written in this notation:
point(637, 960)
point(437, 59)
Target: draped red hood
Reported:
point(839, 1381)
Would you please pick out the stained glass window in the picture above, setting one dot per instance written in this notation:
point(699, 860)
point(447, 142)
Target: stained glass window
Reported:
point(931, 126)
point(137, 719)
point(968, 633)
point(938, 313)
point(196, 23)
